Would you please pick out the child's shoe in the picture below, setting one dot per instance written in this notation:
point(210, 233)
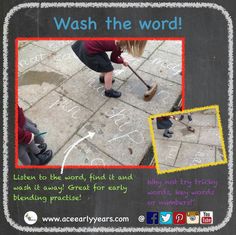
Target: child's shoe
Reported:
point(112, 93)
point(102, 80)
point(170, 132)
point(45, 158)
point(42, 148)
point(167, 135)
point(190, 118)
point(181, 117)
point(34, 160)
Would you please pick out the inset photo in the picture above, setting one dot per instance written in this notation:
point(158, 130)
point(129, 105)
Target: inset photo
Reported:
point(187, 139)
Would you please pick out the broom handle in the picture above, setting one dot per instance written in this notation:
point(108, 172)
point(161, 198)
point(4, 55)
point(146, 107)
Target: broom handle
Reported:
point(182, 123)
point(139, 77)
point(188, 127)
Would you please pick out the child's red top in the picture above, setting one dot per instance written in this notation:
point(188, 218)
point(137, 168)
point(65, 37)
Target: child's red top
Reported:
point(98, 46)
point(24, 136)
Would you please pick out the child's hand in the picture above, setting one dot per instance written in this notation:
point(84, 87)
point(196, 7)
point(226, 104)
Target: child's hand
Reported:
point(125, 63)
point(173, 117)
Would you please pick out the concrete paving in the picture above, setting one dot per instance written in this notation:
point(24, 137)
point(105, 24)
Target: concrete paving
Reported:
point(66, 100)
point(186, 148)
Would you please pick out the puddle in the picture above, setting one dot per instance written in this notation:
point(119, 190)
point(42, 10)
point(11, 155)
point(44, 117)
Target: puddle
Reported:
point(38, 78)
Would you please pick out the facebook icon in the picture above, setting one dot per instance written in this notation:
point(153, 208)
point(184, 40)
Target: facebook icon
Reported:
point(152, 218)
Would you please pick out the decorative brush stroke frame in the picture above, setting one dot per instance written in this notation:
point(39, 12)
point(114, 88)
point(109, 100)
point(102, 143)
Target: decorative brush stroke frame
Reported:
point(192, 111)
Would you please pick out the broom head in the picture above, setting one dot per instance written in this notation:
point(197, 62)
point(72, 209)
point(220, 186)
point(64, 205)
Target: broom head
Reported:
point(150, 92)
point(191, 129)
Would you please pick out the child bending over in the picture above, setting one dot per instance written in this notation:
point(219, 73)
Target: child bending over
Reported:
point(165, 123)
point(93, 54)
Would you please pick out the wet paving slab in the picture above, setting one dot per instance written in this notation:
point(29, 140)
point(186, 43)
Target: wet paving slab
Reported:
point(37, 82)
point(167, 93)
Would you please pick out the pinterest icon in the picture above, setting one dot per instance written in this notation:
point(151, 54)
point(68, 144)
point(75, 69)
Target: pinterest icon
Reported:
point(179, 217)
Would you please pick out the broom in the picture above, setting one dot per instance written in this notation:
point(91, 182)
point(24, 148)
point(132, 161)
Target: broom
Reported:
point(151, 89)
point(189, 128)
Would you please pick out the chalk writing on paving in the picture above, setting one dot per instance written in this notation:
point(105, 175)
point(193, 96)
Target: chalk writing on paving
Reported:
point(67, 106)
point(123, 121)
point(164, 64)
point(197, 157)
point(172, 152)
point(31, 60)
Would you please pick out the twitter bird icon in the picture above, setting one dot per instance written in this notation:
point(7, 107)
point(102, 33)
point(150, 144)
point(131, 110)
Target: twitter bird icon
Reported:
point(166, 217)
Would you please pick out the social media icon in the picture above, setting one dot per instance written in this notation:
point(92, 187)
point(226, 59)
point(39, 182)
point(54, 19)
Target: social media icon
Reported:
point(166, 217)
point(206, 217)
point(30, 217)
point(152, 218)
point(179, 217)
point(193, 217)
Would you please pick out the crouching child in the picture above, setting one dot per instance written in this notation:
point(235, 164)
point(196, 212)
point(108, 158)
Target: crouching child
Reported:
point(32, 149)
point(165, 123)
